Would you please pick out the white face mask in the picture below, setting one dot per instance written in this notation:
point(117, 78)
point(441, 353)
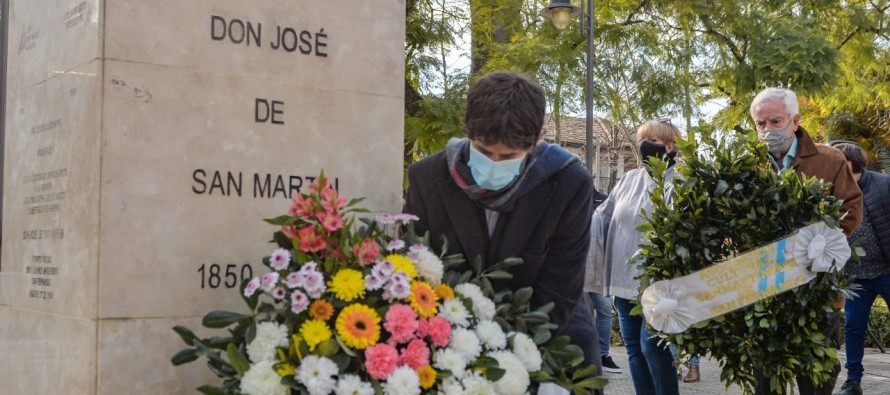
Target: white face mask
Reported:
point(776, 139)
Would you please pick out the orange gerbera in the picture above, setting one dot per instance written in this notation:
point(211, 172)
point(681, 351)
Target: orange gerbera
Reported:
point(423, 299)
point(358, 326)
point(321, 310)
point(427, 376)
point(444, 291)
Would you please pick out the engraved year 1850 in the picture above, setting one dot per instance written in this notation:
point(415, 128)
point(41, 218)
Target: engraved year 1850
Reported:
point(230, 275)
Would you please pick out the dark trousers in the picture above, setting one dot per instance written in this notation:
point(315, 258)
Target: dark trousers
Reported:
point(804, 384)
point(581, 330)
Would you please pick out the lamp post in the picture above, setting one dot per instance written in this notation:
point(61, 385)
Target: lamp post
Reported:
point(561, 12)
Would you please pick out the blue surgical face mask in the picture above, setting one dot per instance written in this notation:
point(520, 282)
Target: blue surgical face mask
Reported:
point(493, 175)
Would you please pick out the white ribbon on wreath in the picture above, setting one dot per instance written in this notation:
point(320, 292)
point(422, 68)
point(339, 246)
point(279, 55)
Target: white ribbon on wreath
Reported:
point(674, 305)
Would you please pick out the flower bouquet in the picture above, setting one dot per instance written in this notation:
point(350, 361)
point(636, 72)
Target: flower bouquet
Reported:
point(350, 309)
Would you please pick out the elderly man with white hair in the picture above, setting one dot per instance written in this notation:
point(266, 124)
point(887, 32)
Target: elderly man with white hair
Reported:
point(776, 115)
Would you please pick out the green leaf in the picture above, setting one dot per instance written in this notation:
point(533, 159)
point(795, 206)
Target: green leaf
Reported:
point(280, 220)
point(236, 359)
point(185, 333)
point(184, 356)
point(211, 390)
point(221, 319)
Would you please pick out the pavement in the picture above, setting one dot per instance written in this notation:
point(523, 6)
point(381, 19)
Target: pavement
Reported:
point(876, 379)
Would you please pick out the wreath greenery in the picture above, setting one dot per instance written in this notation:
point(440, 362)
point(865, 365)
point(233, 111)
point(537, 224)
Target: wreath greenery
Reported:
point(730, 200)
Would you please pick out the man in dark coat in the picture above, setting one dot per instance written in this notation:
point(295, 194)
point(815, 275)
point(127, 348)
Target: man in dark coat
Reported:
point(871, 272)
point(502, 192)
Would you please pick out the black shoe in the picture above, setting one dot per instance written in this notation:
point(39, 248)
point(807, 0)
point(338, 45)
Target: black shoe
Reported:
point(850, 387)
point(610, 366)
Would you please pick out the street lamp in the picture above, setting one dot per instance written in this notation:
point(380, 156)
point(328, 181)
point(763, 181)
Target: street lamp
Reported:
point(561, 12)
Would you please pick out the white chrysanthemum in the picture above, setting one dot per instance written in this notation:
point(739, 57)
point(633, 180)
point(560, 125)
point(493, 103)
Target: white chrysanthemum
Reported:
point(261, 379)
point(428, 265)
point(475, 384)
point(491, 334)
point(316, 374)
point(515, 381)
point(350, 384)
point(527, 351)
point(454, 311)
point(451, 386)
point(402, 381)
point(483, 308)
point(450, 360)
point(465, 342)
point(469, 290)
point(269, 336)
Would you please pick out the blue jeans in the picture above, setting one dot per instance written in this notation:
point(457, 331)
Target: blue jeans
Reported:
point(694, 360)
point(856, 314)
point(651, 365)
point(602, 305)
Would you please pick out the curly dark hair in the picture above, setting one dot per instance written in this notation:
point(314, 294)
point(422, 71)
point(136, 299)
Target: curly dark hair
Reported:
point(507, 108)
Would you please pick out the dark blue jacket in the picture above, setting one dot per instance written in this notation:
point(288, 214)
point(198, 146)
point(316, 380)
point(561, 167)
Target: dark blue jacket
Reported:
point(876, 198)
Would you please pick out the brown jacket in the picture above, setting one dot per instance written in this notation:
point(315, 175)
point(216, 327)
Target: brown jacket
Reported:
point(829, 164)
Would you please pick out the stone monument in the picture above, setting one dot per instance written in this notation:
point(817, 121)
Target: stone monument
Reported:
point(144, 143)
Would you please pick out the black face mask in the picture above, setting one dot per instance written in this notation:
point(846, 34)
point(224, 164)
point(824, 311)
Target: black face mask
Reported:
point(649, 149)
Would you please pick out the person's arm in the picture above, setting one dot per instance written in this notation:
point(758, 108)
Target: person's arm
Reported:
point(414, 202)
point(561, 279)
point(596, 278)
point(846, 189)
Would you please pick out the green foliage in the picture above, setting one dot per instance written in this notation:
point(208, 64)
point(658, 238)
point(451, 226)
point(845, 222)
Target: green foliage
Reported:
point(730, 200)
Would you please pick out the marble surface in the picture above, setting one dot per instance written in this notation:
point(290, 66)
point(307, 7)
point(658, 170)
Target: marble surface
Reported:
point(138, 151)
point(168, 133)
point(51, 37)
point(51, 195)
point(46, 353)
point(134, 357)
point(364, 40)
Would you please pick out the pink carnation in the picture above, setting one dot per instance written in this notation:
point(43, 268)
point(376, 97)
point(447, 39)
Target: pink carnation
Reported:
point(438, 329)
point(381, 360)
point(401, 322)
point(416, 354)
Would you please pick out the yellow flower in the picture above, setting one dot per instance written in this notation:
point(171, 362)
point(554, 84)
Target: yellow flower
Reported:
point(358, 326)
point(403, 264)
point(427, 376)
point(347, 284)
point(294, 349)
point(423, 299)
point(284, 368)
point(321, 310)
point(444, 291)
point(314, 332)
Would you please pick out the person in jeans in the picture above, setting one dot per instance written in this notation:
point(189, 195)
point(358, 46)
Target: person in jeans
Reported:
point(602, 306)
point(694, 373)
point(615, 239)
point(872, 272)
